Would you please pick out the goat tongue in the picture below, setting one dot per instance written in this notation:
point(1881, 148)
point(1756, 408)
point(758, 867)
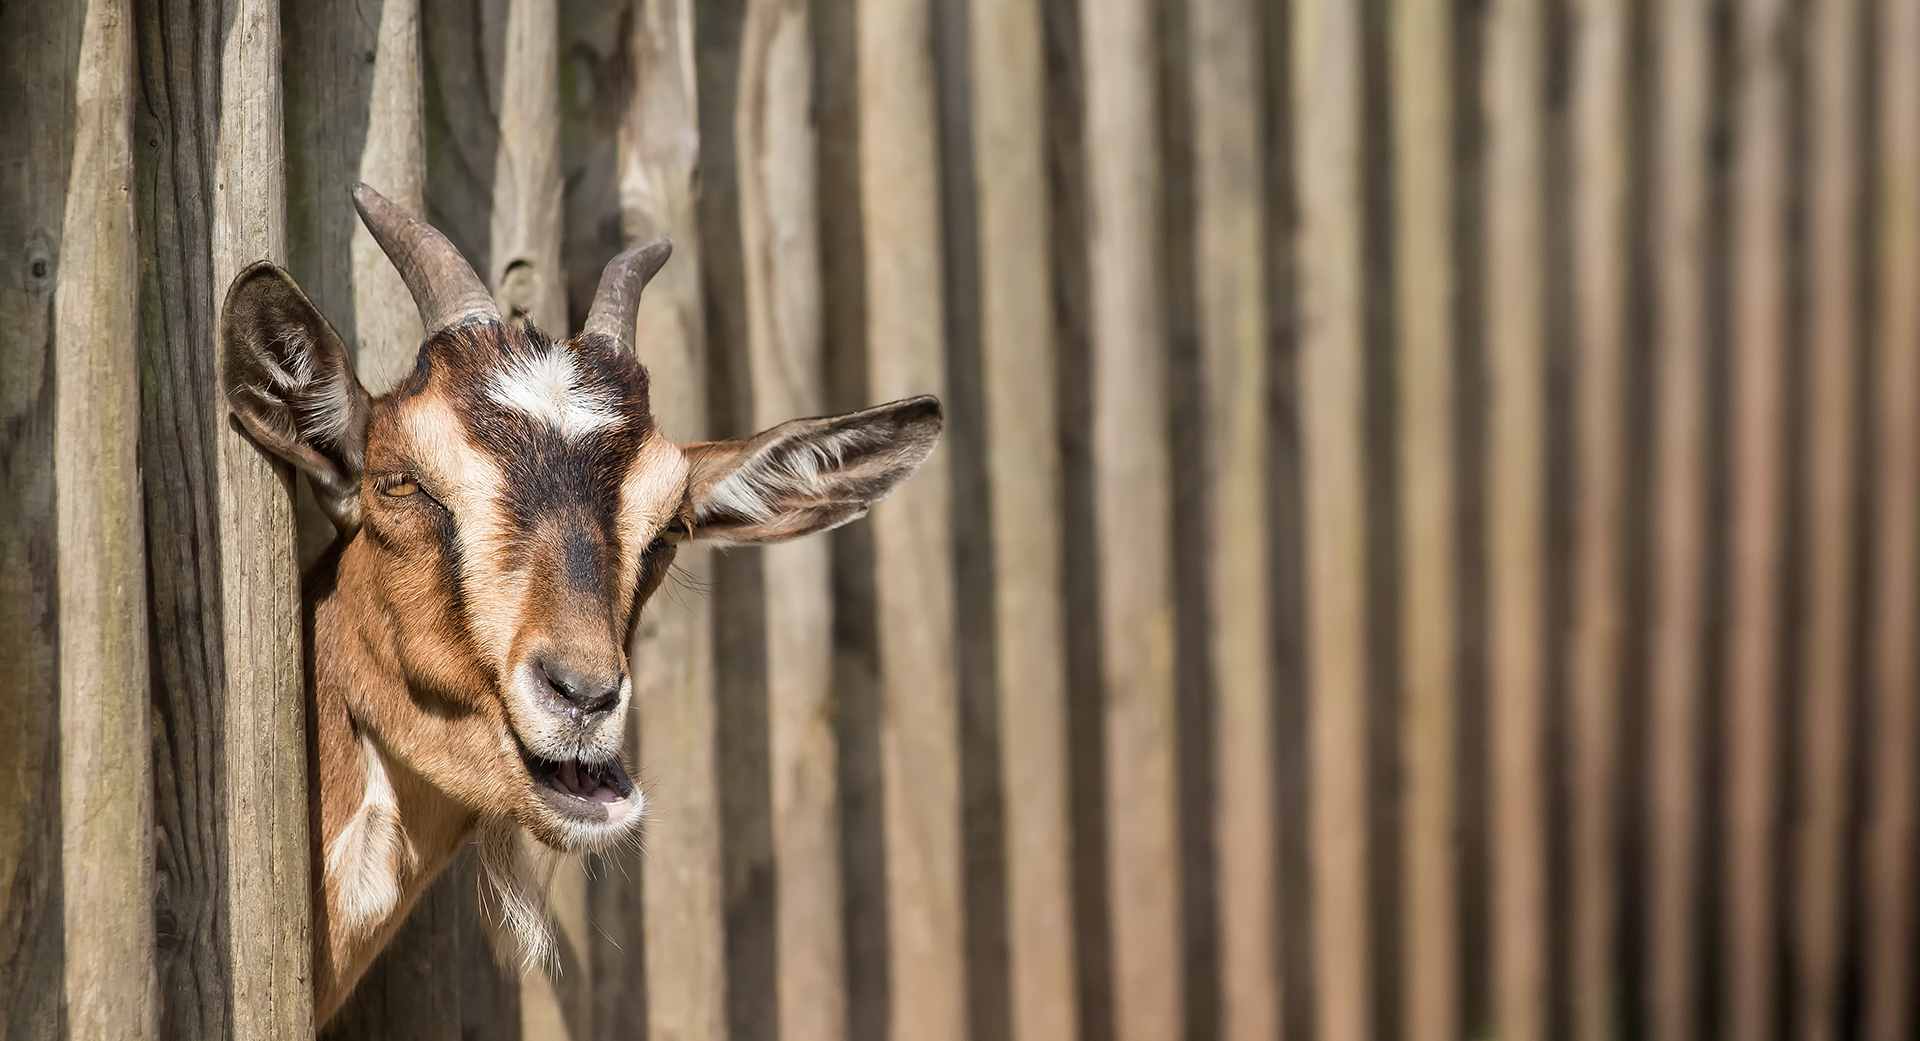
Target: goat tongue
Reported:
point(571, 780)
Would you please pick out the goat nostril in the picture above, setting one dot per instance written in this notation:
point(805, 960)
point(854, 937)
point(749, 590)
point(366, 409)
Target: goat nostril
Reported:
point(582, 692)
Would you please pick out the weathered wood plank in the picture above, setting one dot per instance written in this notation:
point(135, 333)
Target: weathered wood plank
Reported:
point(1678, 643)
point(685, 939)
point(266, 714)
point(1598, 212)
point(40, 49)
point(775, 152)
point(1424, 320)
point(106, 809)
point(913, 540)
point(354, 112)
point(1756, 437)
point(231, 758)
point(1132, 517)
point(1893, 674)
point(1826, 618)
point(1512, 93)
point(1326, 99)
point(1230, 276)
point(1008, 94)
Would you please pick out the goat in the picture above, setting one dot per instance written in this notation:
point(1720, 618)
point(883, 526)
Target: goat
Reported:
point(502, 516)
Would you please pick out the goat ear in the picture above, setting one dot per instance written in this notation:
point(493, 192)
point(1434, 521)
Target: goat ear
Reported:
point(289, 382)
point(807, 475)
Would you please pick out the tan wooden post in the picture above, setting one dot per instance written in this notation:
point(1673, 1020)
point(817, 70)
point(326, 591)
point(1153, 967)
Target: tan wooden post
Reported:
point(1018, 358)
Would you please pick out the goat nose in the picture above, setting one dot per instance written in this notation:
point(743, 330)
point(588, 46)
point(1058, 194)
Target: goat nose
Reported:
point(585, 691)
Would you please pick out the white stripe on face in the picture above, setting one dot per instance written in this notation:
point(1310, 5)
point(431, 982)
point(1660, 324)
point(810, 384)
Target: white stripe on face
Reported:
point(547, 389)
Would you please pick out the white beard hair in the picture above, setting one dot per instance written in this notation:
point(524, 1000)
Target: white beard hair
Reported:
point(516, 872)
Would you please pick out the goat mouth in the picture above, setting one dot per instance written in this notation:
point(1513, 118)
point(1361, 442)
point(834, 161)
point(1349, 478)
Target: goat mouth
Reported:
point(576, 780)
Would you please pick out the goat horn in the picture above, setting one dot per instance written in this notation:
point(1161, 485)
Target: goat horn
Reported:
point(444, 287)
point(617, 303)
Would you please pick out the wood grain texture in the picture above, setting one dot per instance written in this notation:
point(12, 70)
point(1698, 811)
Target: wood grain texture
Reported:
point(268, 858)
point(1827, 500)
point(523, 265)
point(685, 937)
point(1678, 213)
point(1230, 272)
point(1326, 99)
point(1512, 86)
point(1008, 91)
point(1756, 436)
point(40, 51)
point(776, 154)
point(224, 593)
point(912, 530)
point(354, 111)
point(1598, 211)
point(106, 809)
point(1132, 517)
point(1888, 865)
point(1422, 75)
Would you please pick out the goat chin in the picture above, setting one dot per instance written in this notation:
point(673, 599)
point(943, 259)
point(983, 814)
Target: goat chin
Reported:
point(515, 874)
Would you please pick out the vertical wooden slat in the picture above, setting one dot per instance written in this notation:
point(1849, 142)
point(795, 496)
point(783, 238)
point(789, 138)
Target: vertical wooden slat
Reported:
point(1132, 517)
point(1756, 444)
point(1598, 212)
point(524, 257)
point(265, 720)
point(913, 544)
point(354, 113)
point(1678, 218)
point(1512, 82)
point(106, 812)
point(1424, 315)
point(1017, 351)
point(1892, 720)
point(775, 151)
point(1326, 99)
point(1827, 501)
point(1230, 273)
point(231, 760)
point(39, 49)
point(685, 928)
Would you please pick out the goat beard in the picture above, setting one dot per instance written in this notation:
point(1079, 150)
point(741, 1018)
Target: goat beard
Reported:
point(516, 873)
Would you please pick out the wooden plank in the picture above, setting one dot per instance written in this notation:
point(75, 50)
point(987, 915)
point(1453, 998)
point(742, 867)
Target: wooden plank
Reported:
point(354, 112)
point(1017, 359)
point(1756, 440)
point(685, 929)
point(230, 770)
point(913, 540)
point(1827, 501)
point(1678, 643)
point(268, 858)
point(1512, 85)
point(1326, 99)
point(106, 807)
point(39, 49)
point(1888, 864)
point(1132, 517)
point(1425, 321)
point(1598, 189)
point(1230, 274)
point(775, 151)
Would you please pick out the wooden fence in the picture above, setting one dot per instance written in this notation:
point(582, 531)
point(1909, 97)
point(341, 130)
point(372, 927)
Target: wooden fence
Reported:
point(1427, 543)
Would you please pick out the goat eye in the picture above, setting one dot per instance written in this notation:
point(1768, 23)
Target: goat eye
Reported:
point(402, 488)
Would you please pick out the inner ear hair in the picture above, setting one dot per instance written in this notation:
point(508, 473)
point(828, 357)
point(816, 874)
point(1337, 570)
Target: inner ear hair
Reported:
point(808, 475)
point(290, 383)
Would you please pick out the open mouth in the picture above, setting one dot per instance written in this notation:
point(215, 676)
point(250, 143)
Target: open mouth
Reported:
point(576, 781)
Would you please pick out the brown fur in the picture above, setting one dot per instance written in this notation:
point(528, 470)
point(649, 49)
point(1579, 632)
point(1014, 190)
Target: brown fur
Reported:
point(504, 513)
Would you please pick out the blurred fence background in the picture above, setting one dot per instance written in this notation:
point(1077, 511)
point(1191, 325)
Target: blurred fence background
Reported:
point(1427, 543)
